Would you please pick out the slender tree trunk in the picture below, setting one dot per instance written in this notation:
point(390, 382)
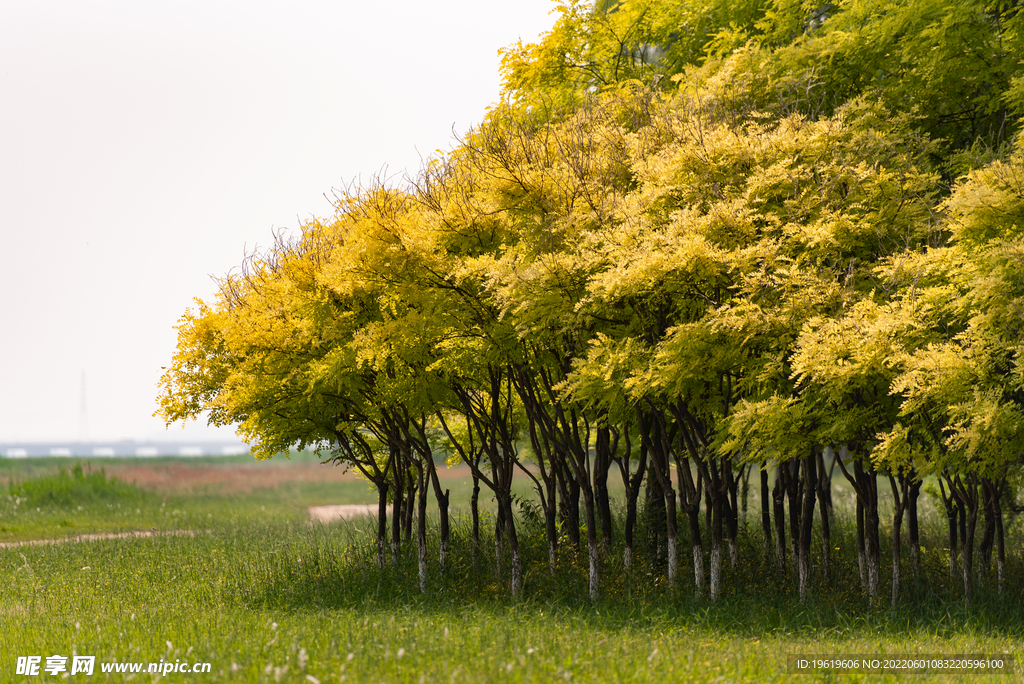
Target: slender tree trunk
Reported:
point(693, 515)
point(421, 526)
point(445, 532)
point(779, 503)
point(732, 511)
point(499, 540)
point(397, 510)
point(671, 534)
point(766, 518)
point(443, 497)
point(744, 495)
point(505, 504)
point(569, 504)
point(967, 496)
point(714, 583)
point(962, 522)
point(654, 510)
point(627, 551)
point(1000, 547)
point(708, 508)
point(551, 525)
point(988, 536)
point(967, 558)
point(382, 523)
point(602, 463)
point(793, 494)
point(474, 507)
point(900, 494)
point(408, 511)
point(913, 532)
point(631, 482)
point(862, 564)
point(897, 524)
point(826, 540)
point(824, 497)
point(951, 520)
point(871, 542)
point(867, 495)
point(810, 486)
point(592, 542)
point(825, 478)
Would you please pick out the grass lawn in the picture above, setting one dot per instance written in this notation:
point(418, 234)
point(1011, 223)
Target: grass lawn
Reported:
point(264, 596)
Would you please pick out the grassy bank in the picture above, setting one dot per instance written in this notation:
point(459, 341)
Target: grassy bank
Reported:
point(264, 596)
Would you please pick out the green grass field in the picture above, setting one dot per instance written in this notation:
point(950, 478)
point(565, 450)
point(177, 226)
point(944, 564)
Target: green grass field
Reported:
point(262, 595)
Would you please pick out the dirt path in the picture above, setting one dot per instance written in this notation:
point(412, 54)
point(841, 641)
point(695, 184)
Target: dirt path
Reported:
point(94, 537)
point(326, 514)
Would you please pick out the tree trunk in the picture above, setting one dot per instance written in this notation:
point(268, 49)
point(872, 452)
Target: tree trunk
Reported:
point(505, 504)
point(714, 583)
point(551, 525)
point(698, 552)
point(913, 532)
point(871, 522)
point(631, 482)
point(654, 511)
point(951, 520)
point(900, 494)
point(732, 510)
point(824, 488)
point(968, 552)
point(397, 510)
point(474, 506)
point(499, 540)
point(409, 510)
point(779, 503)
point(421, 526)
point(810, 486)
point(671, 535)
point(766, 518)
point(791, 479)
point(602, 463)
point(988, 537)
point(627, 532)
point(592, 551)
point(382, 523)
point(967, 500)
point(443, 497)
point(569, 504)
point(1000, 548)
point(862, 562)
point(744, 495)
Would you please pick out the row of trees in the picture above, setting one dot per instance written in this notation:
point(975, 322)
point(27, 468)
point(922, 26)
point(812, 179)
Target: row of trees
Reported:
point(695, 240)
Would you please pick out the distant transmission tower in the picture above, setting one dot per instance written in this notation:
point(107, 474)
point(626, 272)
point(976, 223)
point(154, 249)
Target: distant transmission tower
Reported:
point(83, 417)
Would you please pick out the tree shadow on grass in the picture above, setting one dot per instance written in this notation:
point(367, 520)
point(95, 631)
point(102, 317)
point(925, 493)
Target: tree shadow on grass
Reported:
point(333, 569)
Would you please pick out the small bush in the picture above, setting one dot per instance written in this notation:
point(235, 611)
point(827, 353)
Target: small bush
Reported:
point(73, 487)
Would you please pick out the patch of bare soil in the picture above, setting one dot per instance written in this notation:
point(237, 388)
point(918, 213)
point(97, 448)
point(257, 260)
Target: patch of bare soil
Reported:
point(231, 479)
point(225, 479)
point(326, 514)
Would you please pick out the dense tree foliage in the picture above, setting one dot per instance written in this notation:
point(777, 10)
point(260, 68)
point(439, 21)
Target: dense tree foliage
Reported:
point(695, 241)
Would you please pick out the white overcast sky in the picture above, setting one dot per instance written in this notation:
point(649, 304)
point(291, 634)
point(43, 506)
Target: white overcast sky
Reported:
point(144, 145)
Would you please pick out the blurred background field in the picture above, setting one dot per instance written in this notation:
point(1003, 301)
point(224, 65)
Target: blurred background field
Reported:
point(174, 492)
